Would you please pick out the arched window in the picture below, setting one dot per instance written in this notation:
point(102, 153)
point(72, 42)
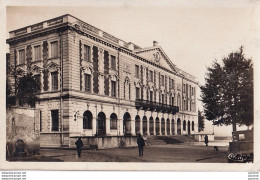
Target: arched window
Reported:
point(184, 125)
point(87, 120)
point(192, 126)
point(113, 121)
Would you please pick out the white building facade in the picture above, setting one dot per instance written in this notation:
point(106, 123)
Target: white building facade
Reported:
point(95, 85)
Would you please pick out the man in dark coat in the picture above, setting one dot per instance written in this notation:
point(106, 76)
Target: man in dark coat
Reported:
point(79, 145)
point(206, 140)
point(141, 144)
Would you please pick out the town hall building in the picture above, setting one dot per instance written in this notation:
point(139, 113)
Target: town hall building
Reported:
point(101, 88)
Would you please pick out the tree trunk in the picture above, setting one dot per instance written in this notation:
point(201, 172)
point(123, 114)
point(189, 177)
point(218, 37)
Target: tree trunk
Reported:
point(234, 125)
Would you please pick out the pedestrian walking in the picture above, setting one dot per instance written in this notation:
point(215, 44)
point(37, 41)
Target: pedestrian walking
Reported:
point(141, 144)
point(79, 145)
point(206, 140)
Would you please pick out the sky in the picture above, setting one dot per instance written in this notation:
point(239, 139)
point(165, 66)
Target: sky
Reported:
point(192, 33)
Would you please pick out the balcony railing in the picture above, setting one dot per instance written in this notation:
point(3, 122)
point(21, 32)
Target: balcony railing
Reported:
point(154, 106)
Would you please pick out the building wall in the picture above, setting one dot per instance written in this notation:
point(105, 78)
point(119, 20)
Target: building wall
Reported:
point(22, 124)
point(72, 100)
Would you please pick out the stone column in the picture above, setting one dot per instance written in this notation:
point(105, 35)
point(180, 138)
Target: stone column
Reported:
point(170, 126)
point(133, 127)
point(107, 126)
point(148, 126)
point(160, 126)
point(42, 83)
point(141, 125)
point(94, 125)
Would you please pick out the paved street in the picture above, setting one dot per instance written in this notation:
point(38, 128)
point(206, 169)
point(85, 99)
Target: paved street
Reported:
point(160, 153)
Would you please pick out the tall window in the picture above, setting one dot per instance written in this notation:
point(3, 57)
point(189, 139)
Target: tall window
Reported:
point(37, 53)
point(87, 82)
point(86, 53)
point(162, 80)
point(21, 56)
point(54, 49)
point(113, 62)
point(55, 120)
point(113, 88)
point(113, 121)
point(183, 88)
point(54, 80)
point(162, 98)
point(137, 71)
point(172, 83)
point(172, 101)
point(151, 76)
point(38, 81)
point(151, 96)
point(87, 120)
point(137, 93)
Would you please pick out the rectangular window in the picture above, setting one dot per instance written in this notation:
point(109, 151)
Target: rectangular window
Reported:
point(113, 62)
point(151, 75)
point(54, 49)
point(137, 93)
point(54, 80)
point(55, 120)
point(162, 98)
point(113, 88)
point(172, 101)
point(37, 53)
point(151, 96)
point(38, 81)
point(187, 91)
point(137, 71)
point(172, 83)
point(21, 56)
point(162, 80)
point(87, 82)
point(86, 53)
point(183, 88)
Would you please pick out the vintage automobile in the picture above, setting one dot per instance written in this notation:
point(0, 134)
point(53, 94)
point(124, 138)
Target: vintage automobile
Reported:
point(241, 148)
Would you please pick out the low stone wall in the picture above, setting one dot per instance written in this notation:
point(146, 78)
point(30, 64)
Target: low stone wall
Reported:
point(200, 137)
point(22, 131)
point(106, 142)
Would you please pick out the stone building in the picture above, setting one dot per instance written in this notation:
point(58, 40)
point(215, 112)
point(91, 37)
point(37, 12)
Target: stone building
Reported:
point(96, 85)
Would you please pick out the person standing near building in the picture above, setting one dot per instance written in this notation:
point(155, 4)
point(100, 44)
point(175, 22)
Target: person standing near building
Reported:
point(206, 140)
point(79, 145)
point(141, 144)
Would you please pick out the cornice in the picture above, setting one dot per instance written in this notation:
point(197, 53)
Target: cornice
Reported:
point(66, 26)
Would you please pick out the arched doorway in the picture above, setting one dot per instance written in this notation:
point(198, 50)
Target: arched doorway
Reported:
point(144, 125)
point(113, 121)
point(101, 124)
point(163, 126)
point(157, 131)
point(87, 120)
point(168, 126)
point(192, 126)
point(137, 124)
point(127, 123)
point(178, 126)
point(184, 125)
point(151, 126)
point(173, 133)
point(188, 127)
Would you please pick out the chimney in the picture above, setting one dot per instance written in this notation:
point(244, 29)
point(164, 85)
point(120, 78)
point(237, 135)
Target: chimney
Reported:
point(155, 43)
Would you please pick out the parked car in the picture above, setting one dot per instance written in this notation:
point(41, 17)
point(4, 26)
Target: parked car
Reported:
point(241, 148)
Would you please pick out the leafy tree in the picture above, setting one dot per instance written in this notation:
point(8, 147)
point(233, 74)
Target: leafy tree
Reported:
point(201, 121)
point(27, 89)
point(228, 92)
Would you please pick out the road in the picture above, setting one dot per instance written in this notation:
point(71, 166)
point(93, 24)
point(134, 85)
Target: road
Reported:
point(160, 153)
